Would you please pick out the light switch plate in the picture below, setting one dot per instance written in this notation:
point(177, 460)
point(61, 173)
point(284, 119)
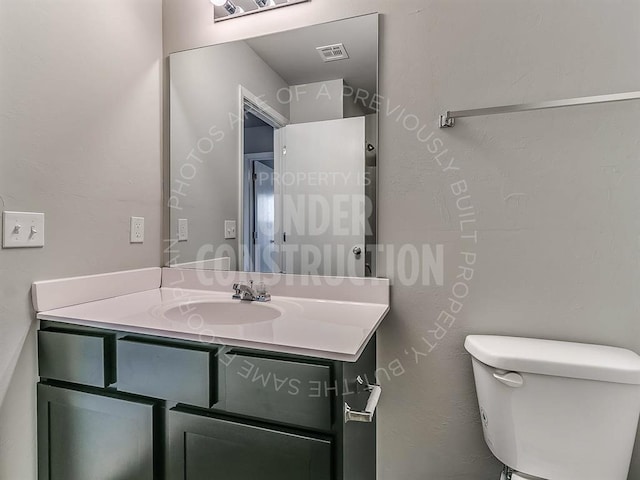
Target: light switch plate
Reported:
point(183, 229)
point(22, 229)
point(137, 230)
point(229, 229)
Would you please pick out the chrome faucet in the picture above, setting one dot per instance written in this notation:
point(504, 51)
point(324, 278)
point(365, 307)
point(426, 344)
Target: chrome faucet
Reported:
point(248, 293)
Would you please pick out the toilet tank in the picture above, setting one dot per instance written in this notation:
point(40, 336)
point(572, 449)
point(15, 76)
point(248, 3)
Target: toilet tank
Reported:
point(557, 410)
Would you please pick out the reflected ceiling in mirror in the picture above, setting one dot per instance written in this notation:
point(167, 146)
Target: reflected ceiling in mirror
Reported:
point(273, 152)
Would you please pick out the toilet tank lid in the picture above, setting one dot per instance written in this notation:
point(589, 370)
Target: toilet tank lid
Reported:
point(551, 357)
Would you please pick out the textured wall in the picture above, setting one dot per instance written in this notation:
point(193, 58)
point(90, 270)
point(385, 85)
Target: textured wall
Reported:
point(80, 139)
point(554, 193)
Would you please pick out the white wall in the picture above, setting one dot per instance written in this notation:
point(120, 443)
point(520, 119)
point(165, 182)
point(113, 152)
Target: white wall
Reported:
point(318, 101)
point(351, 107)
point(80, 138)
point(555, 192)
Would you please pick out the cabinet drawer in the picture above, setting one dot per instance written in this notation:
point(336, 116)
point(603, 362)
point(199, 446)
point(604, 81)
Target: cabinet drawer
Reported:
point(175, 373)
point(81, 358)
point(280, 390)
point(202, 448)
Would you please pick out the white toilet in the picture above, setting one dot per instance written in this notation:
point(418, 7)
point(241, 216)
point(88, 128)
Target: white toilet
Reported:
point(557, 410)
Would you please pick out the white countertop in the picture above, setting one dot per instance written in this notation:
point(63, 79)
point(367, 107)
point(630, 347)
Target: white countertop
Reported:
point(330, 329)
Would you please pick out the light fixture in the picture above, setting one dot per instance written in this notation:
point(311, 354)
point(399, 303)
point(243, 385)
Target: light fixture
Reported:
point(228, 5)
point(227, 9)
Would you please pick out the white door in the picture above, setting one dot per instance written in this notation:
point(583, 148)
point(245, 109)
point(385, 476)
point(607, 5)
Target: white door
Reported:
point(264, 216)
point(322, 187)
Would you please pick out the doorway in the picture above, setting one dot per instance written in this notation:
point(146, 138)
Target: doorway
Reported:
point(259, 126)
point(258, 195)
point(259, 214)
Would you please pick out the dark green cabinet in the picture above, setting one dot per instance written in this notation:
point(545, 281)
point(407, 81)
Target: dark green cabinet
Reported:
point(87, 436)
point(76, 358)
point(170, 372)
point(285, 391)
point(118, 406)
point(207, 448)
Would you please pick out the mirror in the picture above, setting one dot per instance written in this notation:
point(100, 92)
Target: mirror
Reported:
point(273, 152)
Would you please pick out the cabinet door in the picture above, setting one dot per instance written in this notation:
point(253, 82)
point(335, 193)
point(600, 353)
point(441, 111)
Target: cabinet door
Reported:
point(207, 448)
point(83, 436)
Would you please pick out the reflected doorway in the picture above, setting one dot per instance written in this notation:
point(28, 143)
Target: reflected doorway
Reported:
point(258, 195)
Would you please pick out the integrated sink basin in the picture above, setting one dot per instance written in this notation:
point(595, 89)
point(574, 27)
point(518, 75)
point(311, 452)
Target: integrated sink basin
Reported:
point(223, 312)
point(321, 317)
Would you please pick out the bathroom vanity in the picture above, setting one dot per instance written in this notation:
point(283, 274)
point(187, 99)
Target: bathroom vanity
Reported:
point(174, 373)
point(123, 402)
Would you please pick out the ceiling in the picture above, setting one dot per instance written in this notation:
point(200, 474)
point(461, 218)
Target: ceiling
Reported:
point(293, 54)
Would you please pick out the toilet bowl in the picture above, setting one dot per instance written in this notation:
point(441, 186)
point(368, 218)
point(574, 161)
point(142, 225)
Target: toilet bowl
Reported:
point(555, 410)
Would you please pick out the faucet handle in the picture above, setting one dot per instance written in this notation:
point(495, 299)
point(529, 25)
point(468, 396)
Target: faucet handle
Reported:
point(261, 288)
point(262, 295)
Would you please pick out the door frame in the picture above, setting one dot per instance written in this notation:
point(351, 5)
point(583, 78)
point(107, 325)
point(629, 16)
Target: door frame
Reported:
point(272, 117)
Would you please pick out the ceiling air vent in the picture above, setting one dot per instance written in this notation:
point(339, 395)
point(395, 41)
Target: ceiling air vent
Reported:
point(331, 53)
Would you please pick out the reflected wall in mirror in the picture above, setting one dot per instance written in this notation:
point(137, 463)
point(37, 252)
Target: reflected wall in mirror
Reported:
point(273, 152)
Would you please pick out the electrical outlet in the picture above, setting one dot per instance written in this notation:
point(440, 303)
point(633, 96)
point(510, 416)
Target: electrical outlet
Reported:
point(137, 230)
point(229, 229)
point(183, 229)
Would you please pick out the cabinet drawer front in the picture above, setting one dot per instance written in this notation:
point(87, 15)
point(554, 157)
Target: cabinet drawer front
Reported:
point(78, 358)
point(284, 391)
point(173, 373)
point(202, 448)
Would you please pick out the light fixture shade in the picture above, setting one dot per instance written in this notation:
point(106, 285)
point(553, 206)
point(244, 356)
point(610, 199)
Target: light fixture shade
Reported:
point(228, 5)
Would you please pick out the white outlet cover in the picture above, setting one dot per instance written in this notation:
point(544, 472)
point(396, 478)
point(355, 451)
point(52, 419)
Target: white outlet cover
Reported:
point(22, 229)
point(229, 229)
point(183, 229)
point(137, 230)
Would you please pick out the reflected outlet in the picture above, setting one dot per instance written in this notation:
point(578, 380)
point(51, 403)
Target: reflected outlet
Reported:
point(137, 230)
point(229, 229)
point(183, 229)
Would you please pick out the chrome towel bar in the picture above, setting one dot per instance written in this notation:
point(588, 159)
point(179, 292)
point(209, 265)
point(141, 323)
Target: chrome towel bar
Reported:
point(448, 118)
